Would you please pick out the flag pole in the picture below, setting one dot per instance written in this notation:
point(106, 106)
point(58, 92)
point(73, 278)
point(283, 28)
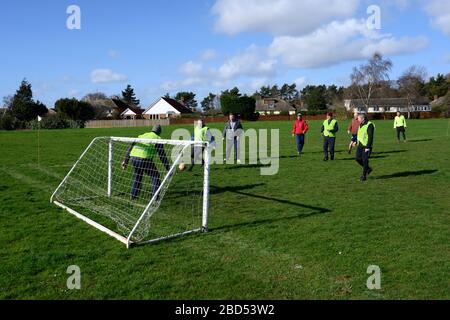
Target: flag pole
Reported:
point(448, 128)
point(39, 141)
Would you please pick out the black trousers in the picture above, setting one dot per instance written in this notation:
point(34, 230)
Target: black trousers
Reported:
point(362, 157)
point(401, 130)
point(328, 147)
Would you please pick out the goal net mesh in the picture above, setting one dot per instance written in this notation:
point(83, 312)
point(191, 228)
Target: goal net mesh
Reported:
point(117, 190)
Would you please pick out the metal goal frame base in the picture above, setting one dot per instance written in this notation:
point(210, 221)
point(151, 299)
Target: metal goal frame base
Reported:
point(127, 241)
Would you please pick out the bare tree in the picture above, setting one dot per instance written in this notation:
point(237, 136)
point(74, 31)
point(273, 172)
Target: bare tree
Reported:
point(411, 84)
point(368, 77)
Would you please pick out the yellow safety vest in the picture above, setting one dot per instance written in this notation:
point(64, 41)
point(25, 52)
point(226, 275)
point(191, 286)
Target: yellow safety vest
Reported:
point(363, 135)
point(400, 122)
point(145, 150)
point(327, 127)
point(200, 133)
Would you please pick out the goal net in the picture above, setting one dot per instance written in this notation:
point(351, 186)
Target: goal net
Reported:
point(137, 190)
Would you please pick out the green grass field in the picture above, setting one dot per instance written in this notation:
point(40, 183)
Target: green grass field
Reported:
point(309, 232)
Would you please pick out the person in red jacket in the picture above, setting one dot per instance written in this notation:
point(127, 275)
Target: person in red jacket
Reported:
point(300, 129)
point(353, 130)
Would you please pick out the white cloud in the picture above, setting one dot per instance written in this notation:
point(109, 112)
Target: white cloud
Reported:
point(338, 42)
point(209, 54)
point(439, 11)
point(191, 69)
point(279, 17)
point(253, 62)
point(300, 82)
point(106, 76)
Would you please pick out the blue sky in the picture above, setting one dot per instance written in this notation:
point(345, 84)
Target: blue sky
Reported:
point(210, 45)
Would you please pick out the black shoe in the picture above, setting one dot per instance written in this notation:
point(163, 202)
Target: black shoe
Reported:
point(363, 178)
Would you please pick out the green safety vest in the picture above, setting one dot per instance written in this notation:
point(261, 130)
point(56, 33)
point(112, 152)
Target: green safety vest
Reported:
point(400, 122)
point(328, 127)
point(145, 150)
point(363, 136)
point(200, 133)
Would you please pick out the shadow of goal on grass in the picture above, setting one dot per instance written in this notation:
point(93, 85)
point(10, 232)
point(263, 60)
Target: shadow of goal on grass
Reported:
point(407, 174)
point(238, 190)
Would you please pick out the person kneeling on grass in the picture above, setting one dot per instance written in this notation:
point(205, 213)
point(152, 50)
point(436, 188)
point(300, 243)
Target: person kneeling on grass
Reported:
point(365, 143)
point(142, 156)
point(300, 129)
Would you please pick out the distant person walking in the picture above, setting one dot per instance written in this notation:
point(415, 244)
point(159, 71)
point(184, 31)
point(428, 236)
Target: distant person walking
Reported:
point(365, 144)
point(353, 130)
point(400, 126)
point(301, 127)
point(329, 129)
point(232, 135)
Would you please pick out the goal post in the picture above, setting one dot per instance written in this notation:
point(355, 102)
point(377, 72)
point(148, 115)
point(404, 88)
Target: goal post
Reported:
point(138, 198)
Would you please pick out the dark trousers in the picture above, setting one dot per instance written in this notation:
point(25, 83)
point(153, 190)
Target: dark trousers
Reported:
point(328, 147)
point(144, 167)
point(362, 157)
point(300, 139)
point(401, 130)
point(196, 155)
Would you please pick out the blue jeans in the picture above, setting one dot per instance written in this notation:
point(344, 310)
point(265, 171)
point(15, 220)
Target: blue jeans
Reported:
point(300, 139)
point(144, 167)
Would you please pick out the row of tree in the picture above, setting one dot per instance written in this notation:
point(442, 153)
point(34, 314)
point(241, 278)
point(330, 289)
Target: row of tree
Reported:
point(368, 81)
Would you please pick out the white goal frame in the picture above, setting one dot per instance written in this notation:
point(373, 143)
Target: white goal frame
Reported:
point(127, 240)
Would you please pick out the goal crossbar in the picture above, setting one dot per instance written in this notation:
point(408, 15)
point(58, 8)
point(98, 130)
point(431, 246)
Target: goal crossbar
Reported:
point(127, 240)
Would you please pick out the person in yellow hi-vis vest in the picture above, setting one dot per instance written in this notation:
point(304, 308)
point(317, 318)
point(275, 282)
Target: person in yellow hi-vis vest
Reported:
point(365, 144)
point(201, 133)
point(142, 156)
point(329, 129)
point(400, 126)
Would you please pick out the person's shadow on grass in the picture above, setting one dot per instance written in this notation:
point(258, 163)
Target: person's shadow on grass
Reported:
point(407, 174)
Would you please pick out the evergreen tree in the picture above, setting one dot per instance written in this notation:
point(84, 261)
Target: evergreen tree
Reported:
point(129, 96)
point(23, 107)
point(208, 102)
point(188, 99)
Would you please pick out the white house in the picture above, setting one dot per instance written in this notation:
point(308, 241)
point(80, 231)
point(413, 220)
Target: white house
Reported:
point(131, 114)
point(166, 108)
point(388, 105)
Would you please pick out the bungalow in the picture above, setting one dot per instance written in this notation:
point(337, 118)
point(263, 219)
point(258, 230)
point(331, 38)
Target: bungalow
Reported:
point(388, 105)
point(132, 113)
point(165, 108)
point(274, 106)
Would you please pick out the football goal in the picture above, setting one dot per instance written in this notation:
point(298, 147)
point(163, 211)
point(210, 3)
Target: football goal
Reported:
point(137, 190)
